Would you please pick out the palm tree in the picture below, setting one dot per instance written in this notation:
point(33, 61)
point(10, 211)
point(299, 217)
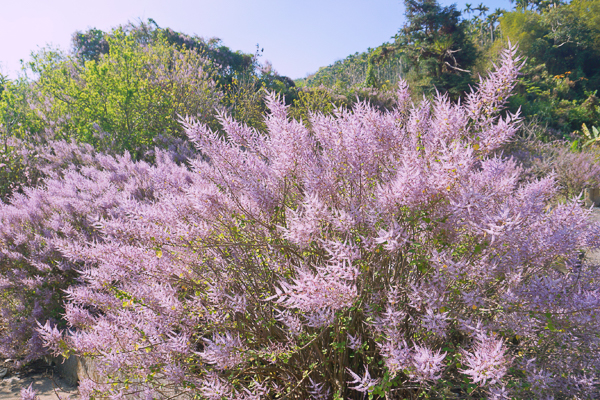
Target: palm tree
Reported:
point(520, 3)
point(482, 9)
point(468, 9)
point(492, 19)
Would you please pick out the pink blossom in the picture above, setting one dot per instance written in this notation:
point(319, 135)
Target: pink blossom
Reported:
point(362, 384)
point(29, 393)
point(223, 351)
point(426, 365)
point(487, 362)
point(318, 391)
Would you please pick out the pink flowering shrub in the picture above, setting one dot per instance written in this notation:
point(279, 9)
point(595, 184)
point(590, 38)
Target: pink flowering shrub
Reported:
point(67, 207)
point(16, 169)
point(381, 254)
point(26, 163)
point(29, 393)
point(574, 169)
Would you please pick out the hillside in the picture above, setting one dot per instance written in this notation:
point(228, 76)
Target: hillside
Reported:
point(352, 71)
point(442, 48)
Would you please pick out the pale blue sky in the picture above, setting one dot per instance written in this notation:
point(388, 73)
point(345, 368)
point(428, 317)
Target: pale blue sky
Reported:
point(298, 36)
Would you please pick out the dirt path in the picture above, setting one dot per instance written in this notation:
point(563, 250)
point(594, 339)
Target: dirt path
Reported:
point(593, 257)
point(47, 384)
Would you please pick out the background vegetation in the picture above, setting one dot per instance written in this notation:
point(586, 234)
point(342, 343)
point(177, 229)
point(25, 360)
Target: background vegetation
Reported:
point(442, 48)
point(124, 90)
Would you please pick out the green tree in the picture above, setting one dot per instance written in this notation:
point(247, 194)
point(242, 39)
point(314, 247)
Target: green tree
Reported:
point(562, 74)
point(16, 116)
point(435, 42)
point(90, 45)
point(126, 98)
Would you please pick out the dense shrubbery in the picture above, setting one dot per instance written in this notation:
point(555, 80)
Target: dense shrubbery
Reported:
point(352, 71)
point(33, 270)
point(15, 167)
point(574, 169)
point(387, 253)
point(126, 98)
point(124, 90)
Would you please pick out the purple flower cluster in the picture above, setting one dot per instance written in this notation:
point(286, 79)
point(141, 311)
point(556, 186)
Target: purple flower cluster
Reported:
point(29, 393)
point(374, 252)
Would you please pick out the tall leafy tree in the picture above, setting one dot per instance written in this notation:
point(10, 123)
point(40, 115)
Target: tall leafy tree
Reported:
point(125, 99)
point(93, 43)
point(435, 42)
point(562, 74)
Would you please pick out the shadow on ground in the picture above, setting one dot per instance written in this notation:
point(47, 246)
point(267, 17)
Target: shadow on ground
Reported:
point(593, 257)
point(42, 377)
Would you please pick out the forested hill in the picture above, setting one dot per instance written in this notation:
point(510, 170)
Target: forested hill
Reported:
point(352, 71)
point(447, 49)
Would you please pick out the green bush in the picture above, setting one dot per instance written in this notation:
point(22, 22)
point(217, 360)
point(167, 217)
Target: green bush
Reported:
point(126, 98)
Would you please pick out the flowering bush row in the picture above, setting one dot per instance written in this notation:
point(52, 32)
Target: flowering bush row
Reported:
point(574, 169)
point(380, 254)
point(34, 272)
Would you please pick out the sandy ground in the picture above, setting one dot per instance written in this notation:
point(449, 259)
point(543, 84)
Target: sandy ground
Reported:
point(594, 257)
point(45, 381)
